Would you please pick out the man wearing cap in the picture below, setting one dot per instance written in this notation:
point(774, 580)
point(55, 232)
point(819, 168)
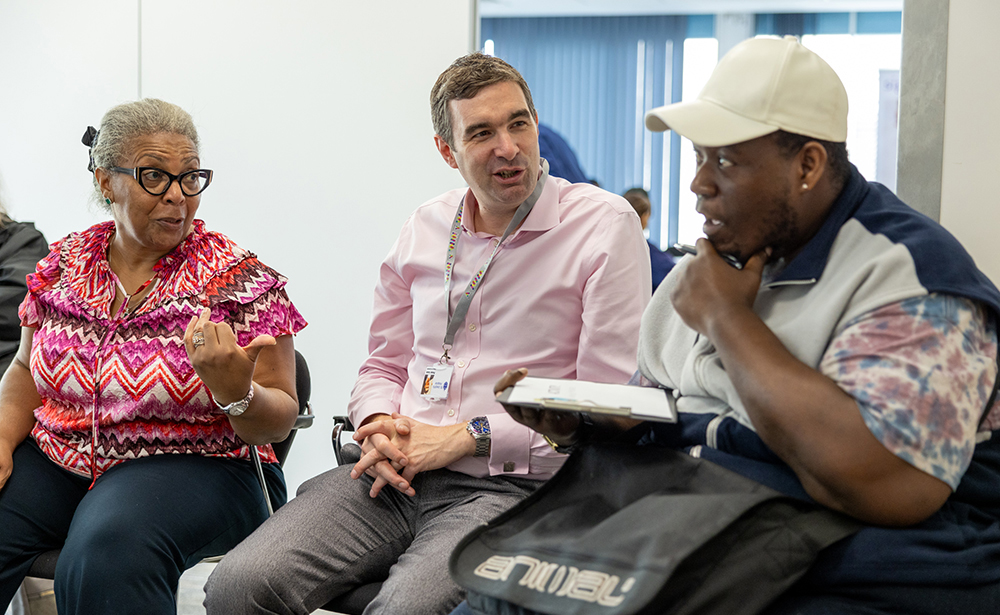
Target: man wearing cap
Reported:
point(852, 360)
point(519, 267)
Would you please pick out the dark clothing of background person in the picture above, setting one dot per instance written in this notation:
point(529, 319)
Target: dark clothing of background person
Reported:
point(660, 263)
point(562, 159)
point(21, 247)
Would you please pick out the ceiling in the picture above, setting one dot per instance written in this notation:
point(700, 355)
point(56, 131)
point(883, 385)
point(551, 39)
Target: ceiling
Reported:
point(551, 8)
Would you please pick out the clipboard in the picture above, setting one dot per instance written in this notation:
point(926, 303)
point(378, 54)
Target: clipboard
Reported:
point(643, 403)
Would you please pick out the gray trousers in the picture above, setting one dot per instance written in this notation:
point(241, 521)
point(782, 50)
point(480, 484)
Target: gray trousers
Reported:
point(333, 537)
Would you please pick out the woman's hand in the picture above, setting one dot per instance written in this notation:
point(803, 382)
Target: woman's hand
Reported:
point(223, 365)
point(229, 370)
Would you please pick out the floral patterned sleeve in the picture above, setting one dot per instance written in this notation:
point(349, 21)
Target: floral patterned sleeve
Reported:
point(921, 371)
point(639, 380)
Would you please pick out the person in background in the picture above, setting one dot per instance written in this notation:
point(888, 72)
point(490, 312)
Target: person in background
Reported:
point(21, 247)
point(521, 266)
point(155, 355)
point(852, 361)
point(660, 263)
point(562, 159)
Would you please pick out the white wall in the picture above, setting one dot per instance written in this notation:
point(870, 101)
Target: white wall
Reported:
point(62, 64)
point(314, 115)
point(969, 194)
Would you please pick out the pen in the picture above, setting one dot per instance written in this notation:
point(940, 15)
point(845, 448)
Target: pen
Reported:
point(689, 249)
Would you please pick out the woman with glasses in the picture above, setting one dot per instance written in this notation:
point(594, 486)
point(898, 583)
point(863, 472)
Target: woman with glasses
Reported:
point(156, 362)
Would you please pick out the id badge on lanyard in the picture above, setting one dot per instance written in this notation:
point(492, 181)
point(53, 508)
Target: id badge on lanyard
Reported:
point(437, 377)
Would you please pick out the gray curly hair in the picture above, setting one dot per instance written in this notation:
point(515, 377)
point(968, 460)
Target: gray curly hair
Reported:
point(123, 123)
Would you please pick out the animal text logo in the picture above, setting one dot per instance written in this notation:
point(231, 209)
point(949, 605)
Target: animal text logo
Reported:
point(560, 580)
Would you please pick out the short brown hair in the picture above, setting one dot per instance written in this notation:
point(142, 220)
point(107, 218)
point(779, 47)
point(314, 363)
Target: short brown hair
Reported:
point(638, 198)
point(463, 80)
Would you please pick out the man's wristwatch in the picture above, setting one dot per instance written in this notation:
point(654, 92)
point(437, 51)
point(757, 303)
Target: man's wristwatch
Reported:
point(479, 428)
point(237, 407)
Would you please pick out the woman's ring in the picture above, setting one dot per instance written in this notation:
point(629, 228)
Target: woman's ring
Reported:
point(198, 338)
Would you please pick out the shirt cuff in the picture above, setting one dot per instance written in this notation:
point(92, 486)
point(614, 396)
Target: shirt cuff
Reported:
point(510, 445)
point(373, 407)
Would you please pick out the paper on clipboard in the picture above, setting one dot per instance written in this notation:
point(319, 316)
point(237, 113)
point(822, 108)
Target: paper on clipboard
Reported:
point(644, 403)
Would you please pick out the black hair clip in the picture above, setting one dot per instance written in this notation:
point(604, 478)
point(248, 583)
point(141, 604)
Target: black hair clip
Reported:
point(89, 138)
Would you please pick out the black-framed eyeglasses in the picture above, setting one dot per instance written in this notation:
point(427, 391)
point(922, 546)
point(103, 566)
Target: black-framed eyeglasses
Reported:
point(157, 181)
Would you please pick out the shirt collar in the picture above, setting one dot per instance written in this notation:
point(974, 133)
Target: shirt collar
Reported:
point(543, 216)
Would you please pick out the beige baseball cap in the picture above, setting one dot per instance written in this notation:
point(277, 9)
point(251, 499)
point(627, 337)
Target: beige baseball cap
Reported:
point(761, 86)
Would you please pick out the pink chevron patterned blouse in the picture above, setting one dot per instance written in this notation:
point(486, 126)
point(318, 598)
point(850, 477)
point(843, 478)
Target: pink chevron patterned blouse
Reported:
point(117, 388)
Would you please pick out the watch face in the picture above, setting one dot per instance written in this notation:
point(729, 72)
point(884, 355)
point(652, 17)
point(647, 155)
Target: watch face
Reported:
point(480, 424)
point(237, 409)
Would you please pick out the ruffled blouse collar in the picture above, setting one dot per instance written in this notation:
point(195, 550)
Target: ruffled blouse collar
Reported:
point(182, 272)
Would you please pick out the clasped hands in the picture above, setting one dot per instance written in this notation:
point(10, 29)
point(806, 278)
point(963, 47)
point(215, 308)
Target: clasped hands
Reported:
point(395, 448)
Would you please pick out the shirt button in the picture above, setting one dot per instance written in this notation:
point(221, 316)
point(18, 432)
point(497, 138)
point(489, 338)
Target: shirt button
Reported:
point(472, 327)
point(461, 363)
point(451, 412)
point(677, 394)
point(508, 466)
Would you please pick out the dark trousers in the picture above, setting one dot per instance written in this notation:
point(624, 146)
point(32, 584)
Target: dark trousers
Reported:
point(126, 542)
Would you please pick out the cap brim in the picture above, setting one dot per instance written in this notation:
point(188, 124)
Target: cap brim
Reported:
point(706, 123)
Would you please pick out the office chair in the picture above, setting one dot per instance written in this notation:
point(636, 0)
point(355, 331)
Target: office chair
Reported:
point(44, 566)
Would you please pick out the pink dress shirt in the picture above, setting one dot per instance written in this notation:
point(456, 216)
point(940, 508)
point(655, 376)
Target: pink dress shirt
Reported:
point(563, 297)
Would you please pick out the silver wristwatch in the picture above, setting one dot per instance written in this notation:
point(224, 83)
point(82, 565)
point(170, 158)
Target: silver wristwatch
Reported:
point(237, 407)
point(479, 428)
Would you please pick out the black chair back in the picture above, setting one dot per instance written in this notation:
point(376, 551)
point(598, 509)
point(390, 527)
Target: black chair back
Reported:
point(303, 390)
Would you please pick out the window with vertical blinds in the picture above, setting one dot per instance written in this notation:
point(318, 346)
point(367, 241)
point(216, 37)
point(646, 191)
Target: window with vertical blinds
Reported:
point(592, 80)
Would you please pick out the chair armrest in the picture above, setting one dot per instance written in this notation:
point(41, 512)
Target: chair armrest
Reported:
point(305, 420)
point(345, 454)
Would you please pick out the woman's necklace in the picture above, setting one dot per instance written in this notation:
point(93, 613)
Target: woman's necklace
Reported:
point(138, 291)
point(121, 288)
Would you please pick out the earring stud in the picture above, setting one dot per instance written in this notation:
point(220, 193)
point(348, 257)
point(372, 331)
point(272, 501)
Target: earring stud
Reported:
point(107, 201)
point(805, 186)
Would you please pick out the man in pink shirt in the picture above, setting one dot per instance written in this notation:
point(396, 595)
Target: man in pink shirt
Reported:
point(519, 269)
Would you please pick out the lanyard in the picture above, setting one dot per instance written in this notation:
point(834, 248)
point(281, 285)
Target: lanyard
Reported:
point(456, 319)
